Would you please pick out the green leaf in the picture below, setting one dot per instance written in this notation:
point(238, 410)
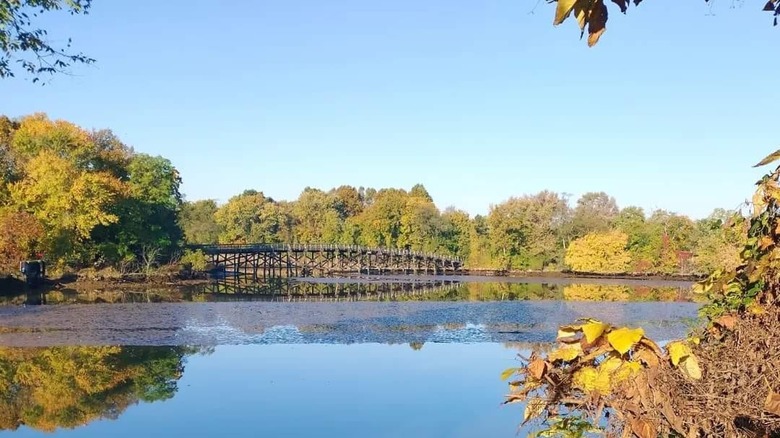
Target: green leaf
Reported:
point(769, 158)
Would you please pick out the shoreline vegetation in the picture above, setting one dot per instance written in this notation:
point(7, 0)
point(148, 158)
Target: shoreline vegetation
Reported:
point(722, 380)
point(84, 200)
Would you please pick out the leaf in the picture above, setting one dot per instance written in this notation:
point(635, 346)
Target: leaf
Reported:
point(772, 404)
point(690, 366)
point(643, 428)
point(537, 368)
point(765, 242)
point(769, 158)
point(563, 10)
point(727, 321)
point(508, 373)
point(623, 4)
point(589, 379)
point(593, 330)
point(758, 202)
point(756, 309)
point(597, 23)
point(567, 331)
point(566, 354)
point(769, 6)
point(624, 338)
point(647, 357)
point(678, 350)
point(533, 408)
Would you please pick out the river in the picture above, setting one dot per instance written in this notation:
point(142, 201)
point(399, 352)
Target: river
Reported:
point(359, 357)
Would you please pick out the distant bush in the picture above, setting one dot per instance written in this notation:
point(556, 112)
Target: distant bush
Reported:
point(602, 253)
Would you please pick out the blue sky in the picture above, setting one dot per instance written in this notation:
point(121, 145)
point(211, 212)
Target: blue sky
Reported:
point(479, 101)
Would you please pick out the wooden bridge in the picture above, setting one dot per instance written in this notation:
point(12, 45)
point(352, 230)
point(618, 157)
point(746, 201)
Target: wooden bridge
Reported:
point(277, 260)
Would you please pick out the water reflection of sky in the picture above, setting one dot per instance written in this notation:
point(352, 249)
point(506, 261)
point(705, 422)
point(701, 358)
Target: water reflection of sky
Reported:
point(377, 390)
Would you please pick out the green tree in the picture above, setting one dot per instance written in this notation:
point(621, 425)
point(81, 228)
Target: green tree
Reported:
point(198, 222)
point(595, 212)
point(456, 232)
point(380, 222)
point(26, 45)
point(316, 217)
point(251, 217)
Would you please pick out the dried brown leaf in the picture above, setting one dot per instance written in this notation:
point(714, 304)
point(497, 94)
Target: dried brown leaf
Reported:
point(772, 404)
point(727, 321)
point(537, 369)
point(643, 428)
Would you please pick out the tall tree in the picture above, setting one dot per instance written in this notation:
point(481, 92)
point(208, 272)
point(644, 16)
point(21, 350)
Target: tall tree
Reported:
point(595, 212)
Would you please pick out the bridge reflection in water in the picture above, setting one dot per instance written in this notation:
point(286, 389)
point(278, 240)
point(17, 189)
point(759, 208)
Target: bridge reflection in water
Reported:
point(283, 290)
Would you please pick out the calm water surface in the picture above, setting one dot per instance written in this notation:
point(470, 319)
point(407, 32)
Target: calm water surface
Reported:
point(385, 361)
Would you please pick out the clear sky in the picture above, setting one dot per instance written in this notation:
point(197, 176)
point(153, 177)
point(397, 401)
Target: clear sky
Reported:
point(477, 100)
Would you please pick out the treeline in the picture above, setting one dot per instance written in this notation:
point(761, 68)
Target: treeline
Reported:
point(530, 232)
point(83, 198)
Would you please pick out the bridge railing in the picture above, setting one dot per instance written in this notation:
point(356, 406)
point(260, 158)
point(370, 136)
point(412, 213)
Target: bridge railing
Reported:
point(280, 247)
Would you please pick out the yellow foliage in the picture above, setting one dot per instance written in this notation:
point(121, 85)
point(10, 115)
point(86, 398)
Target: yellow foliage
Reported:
point(566, 353)
point(596, 292)
point(593, 330)
point(678, 350)
point(624, 338)
point(603, 253)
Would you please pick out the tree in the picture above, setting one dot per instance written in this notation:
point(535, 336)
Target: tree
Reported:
point(20, 238)
point(316, 217)
point(24, 44)
point(69, 202)
point(602, 253)
point(198, 223)
point(524, 231)
point(252, 218)
point(456, 232)
point(595, 212)
point(593, 14)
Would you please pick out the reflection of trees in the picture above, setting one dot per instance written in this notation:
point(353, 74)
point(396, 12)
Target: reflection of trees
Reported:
point(416, 346)
point(607, 292)
point(66, 387)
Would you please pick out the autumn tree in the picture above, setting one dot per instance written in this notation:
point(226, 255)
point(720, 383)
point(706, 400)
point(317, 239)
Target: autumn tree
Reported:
point(21, 236)
point(602, 253)
point(251, 217)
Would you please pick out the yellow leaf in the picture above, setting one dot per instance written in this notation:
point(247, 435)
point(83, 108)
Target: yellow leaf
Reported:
point(533, 408)
point(756, 309)
point(611, 364)
point(508, 373)
point(758, 202)
point(567, 353)
point(567, 331)
point(690, 366)
point(678, 350)
point(589, 379)
point(626, 371)
point(563, 10)
point(593, 330)
point(696, 340)
point(623, 339)
point(769, 158)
